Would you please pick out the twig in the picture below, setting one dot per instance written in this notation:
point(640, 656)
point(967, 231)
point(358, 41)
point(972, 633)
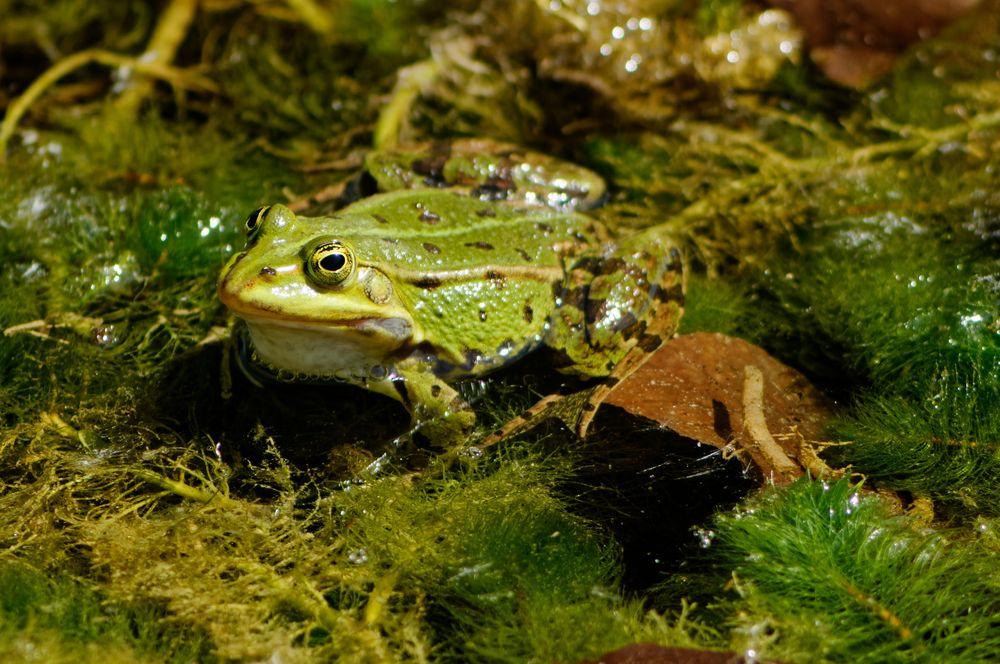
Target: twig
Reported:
point(167, 37)
point(67, 65)
point(755, 424)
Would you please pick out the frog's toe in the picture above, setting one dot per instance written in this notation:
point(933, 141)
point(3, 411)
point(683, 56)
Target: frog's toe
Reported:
point(448, 430)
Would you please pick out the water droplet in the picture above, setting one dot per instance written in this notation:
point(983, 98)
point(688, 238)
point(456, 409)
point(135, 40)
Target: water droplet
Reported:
point(106, 336)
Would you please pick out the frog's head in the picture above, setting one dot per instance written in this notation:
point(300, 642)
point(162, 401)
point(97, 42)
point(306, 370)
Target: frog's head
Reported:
point(293, 276)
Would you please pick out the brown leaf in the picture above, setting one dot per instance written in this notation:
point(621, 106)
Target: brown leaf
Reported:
point(698, 384)
point(647, 653)
point(855, 41)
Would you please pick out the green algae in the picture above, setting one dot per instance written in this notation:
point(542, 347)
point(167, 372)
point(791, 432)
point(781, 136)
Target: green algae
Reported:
point(853, 234)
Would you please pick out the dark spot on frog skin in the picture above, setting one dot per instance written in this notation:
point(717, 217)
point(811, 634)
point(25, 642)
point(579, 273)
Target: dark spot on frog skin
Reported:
point(590, 264)
point(391, 240)
point(545, 228)
point(266, 272)
point(673, 294)
point(486, 246)
point(529, 313)
point(596, 309)
point(435, 391)
point(614, 266)
point(492, 191)
point(650, 342)
point(429, 217)
point(498, 279)
point(432, 248)
point(427, 282)
point(432, 168)
point(482, 315)
point(589, 407)
point(525, 256)
point(380, 219)
point(486, 212)
point(576, 298)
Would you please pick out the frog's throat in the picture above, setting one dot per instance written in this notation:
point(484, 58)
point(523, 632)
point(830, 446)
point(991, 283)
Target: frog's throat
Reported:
point(353, 351)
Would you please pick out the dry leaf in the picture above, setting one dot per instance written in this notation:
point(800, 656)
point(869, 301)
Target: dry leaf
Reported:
point(856, 41)
point(696, 385)
point(647, 653)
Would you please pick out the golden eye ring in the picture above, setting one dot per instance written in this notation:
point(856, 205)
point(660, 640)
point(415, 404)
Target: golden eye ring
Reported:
point(255, 221)
point(330, 263)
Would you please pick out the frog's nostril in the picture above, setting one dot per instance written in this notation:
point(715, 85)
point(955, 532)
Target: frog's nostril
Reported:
point(267, 272)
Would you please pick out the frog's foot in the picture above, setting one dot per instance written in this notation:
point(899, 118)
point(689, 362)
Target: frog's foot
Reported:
point(634, 359)
point(448, 430)
point(569, 409)
point(439, 412)
point(520, 423)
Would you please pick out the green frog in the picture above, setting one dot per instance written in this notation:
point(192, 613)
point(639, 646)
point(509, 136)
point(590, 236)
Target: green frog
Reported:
point(464, 257)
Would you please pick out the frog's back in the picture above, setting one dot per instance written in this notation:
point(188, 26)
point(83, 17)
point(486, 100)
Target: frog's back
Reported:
point(449, 230)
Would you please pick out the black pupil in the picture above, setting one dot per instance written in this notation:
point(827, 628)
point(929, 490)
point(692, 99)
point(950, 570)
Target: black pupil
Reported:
point(332, 262)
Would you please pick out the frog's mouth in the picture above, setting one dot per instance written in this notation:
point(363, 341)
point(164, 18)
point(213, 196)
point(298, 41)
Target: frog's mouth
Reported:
point(258, 315)
point(388, 327)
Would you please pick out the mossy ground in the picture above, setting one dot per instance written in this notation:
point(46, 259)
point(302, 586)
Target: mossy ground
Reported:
point(155, 506)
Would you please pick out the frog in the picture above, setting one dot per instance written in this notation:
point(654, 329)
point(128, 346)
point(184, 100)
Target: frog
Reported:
point(456, 259)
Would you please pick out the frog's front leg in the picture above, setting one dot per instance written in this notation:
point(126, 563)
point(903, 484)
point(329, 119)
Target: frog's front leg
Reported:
point(437, 410)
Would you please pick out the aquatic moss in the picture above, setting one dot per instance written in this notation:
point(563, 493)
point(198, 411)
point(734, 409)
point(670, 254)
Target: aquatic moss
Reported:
point(824, 571)
point(717, 305)
point(57, 619)
point(909, 305)
point(471, 568)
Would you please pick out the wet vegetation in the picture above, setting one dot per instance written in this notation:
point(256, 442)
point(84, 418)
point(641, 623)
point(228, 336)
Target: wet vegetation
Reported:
point(157, 506)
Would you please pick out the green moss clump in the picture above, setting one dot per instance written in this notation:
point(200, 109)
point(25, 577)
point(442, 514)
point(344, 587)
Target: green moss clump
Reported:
point(56, 619)
point(527, 582)
point(911, 308)
point(175, 234)
point(825, 572)
point(717, 305)
point(486, 567)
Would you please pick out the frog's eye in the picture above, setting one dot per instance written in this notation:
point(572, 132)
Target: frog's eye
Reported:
point(254, 221)
point(330, 263)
